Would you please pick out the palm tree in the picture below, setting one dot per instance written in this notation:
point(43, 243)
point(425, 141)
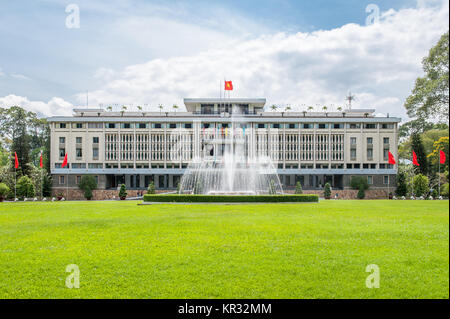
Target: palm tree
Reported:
point(324, 108)
point(339, 108)
point(139, 107)
point(160, 108)
point(124, 108)
point(273, 107)
point(310, 108)
point(109, 108)
point(175, 107)
point(288, 108)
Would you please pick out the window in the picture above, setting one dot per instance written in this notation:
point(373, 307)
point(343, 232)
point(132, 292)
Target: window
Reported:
point(141, 125)
point(95, 125)
point(95, 153)
point(62, 140)
point(387, 126)
point(157, 125)
point(78, 180)
point(95, 140)
point(126, 125)
point(96, 179)
point(78, 140)
point(110, 125)
point(62, 180)
point(370, 126)
point(276, 126)
point(385, 140)
point(206, 125)
point(322, 126)
point(353, 125)
point(307, 126)
point(292, 126)
point(95, 165)
point(338, 125)
point(385, 179)
point(187, 125)
point(370, 180)
point(261, 125)
point(357, 166)
point(62, 152)
point(78, 152)
point(353, 140)
point(385, 154)
point(369, 154)
point(369, 141)
point(78, 125)
point(353, 154)
point(62, 125)
point(172, 125)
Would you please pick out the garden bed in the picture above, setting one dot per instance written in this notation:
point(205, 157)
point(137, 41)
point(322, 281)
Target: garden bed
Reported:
point(176, 198)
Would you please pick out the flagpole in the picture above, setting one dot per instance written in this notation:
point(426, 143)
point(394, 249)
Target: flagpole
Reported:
point(439, 176)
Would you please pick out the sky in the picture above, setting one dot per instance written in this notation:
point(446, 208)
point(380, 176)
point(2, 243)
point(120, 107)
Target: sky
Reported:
point(136, 52)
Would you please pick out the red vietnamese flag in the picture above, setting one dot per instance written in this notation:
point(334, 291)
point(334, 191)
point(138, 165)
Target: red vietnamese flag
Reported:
point(415, 162)
point(41, 164)
point(228, 85)
point(442, 157)
point(391, 158)
point(64, 163)
point(16, 161)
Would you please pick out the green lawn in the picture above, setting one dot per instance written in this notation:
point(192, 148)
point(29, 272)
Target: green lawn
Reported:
point(317, 250)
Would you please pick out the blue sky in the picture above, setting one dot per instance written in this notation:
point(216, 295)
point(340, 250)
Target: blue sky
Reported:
point(41, 59)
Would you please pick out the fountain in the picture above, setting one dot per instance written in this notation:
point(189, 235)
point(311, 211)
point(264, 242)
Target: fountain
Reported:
point(228, 167)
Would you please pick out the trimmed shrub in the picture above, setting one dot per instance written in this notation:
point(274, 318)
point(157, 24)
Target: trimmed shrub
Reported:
point(327, 191)
point(123, 191)
point(151, 188)
point(4, 191)
point(25, 187)
point(420, 185)
point(230, 198)
point(298, 188)
point(87, 184)
point(359, 181)
point(361, 192)
point(402, 186)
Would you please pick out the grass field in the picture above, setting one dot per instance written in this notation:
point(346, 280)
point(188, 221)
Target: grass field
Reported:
point(318, 250)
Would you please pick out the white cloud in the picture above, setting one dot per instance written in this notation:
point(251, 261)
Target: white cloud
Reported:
point(56, 106)
point(379, 63)
point(20, 76)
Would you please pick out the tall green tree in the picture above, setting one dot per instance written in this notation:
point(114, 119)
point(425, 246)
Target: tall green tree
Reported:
point(417, 147)
point(429, 100)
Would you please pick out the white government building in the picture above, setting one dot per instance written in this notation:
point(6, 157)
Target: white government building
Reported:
point(136, 147)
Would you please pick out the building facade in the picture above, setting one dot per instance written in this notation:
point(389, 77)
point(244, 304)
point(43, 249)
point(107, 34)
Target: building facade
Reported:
point(135, 148)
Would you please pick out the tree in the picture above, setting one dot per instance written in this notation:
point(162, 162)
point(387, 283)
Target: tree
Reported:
point(87, 184)
point(4, 191)
point(402, 186)
point(310, 108)
point(123, 191)
point(417, 147)
point(175, 107)
point(420, 185)
point(430, 97)
point(327, 191)
point(160, 108)
point(442, 144)
point(273, 107)
point(37, 175)
point(357, 181)
point(298, 188)
point(288, 108)
point(151, 188)
point(25, 187)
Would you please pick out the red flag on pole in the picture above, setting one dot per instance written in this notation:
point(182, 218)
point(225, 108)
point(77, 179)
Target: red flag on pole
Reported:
point(415, 162)
point(41, 164)
point(16, 161)
point(442, 157)
point(391, 158)
point(228, 85)
point(64, 163)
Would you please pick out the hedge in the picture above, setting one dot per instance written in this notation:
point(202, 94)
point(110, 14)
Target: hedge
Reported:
point(230, 198)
